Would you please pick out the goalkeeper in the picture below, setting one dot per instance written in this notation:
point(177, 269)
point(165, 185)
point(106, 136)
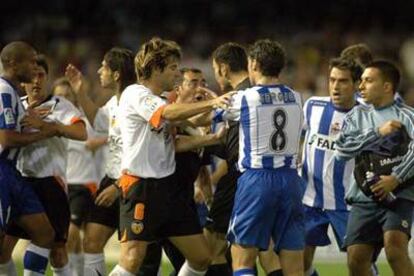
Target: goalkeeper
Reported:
point(371, 223)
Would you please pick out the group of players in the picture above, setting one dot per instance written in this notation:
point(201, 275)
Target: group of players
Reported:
point(266, 201)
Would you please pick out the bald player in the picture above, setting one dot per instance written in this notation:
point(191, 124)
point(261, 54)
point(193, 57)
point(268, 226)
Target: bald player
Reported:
point(18, 201)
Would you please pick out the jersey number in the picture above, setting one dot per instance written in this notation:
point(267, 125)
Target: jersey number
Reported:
point(278, 138)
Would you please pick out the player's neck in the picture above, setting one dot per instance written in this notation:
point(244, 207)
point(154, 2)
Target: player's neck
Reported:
point(237, 78)
point(383, 103)
point(153, 86)
point(265, 80)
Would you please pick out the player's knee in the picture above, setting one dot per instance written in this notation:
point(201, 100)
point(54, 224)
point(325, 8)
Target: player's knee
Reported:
point(93, 244)
point(58, 256)
point(395, 254)
point(200, 262)
point(357, 260)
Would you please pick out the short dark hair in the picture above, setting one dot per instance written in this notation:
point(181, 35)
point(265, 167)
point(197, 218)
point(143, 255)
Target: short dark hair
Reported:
point(360, 53)
point(347, 64)
point(42, 62)
point(192, 69)
point(232, 54)
point(269, 55)
point(122, 61)
point(389, 72)
point(154, 54)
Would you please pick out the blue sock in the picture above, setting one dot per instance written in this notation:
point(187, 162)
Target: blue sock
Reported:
point(244, 272)
point(35, 259)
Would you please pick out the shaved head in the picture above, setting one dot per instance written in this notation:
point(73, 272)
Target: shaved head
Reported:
point(19, 61)
point(15, 51)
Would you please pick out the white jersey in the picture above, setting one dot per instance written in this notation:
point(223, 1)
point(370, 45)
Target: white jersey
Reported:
point(327, 178)
point(81, 166)
point(106, 120)
point(48, 157)
point(270, 126)
point(11, 112)
point(148, 146)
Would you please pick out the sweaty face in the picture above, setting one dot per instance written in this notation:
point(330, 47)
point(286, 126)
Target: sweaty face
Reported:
point(37, 88)
point(187, 90)
point(372, 86)
point(341, 88)
point(170, 76)
point(26, 67)
point(106, 75)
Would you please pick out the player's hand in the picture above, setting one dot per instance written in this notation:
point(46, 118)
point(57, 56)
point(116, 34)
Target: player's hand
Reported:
point(33, 121)
point(107, 196)
point(384, 186)
point(223, 101)
point(389, 127)
point(75, 77)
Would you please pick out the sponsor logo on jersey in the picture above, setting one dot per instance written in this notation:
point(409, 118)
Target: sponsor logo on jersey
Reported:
point(8, 116)
point(322, 142)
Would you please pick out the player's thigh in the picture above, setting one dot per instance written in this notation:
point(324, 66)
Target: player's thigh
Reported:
point(217, 243)
point(291, 262)
point(7, 247)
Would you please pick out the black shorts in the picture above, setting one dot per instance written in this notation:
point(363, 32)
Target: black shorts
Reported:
point(219, 216)
point(54, 199)
point(368, 222)
point(108, 216)
point(151, 209)
point(81, 200)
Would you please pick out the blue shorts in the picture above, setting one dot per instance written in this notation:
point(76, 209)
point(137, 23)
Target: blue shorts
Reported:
point(16, 196)
point(317, 221)
point(268, 205)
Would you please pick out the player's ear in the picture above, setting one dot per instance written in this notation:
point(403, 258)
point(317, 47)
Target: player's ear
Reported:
point(117, 76)
point(225, 70)
point(388, 87)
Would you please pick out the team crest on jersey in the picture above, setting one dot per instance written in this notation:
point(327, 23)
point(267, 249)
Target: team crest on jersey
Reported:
point(137, 227)
point(8, 116)
point(404, 223)
point(335, 128)
point(150, 103)
point(113, 121)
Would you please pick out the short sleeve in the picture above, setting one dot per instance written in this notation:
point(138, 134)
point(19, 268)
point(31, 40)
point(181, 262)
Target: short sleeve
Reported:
point(8, 114)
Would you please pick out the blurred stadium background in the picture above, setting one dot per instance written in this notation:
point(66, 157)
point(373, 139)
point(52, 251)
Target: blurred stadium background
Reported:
point(80, 31)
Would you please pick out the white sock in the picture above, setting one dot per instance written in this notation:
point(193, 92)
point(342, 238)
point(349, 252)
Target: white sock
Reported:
point(8, 269)
point(76, 264)
point(120, 271)
point(35, 260)
point(62, 271)
point(186, 270)
point(94, 264)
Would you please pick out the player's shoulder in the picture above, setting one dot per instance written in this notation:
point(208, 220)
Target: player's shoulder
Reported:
point(6, 88)
point(318, 101)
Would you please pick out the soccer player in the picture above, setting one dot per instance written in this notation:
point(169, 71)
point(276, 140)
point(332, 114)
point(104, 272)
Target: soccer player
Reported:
point(82, 179)
point(116, 73)
point(148, 211)
point(18, 200)
point(372, 224)
point(46, 174)
point(327, 179)
point(362, 55)
point(230, 70)
point(267, 204)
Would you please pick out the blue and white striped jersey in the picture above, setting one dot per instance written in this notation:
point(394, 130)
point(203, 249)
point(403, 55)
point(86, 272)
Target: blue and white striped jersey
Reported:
point(11, 112)
point(327, 178)
point(271, 120)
